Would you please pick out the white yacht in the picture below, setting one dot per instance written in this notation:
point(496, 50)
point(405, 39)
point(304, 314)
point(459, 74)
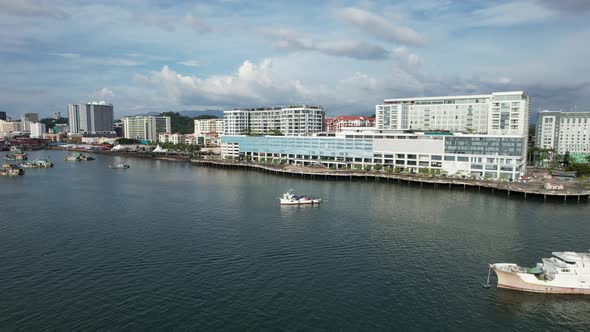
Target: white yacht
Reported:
point(564, 273)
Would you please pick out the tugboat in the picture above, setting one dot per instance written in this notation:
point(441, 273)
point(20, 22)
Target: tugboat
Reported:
point(11, 170)
point(290, 199)
point(39, 163)
point(564, 273)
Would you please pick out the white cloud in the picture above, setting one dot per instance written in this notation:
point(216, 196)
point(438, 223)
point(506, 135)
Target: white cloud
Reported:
point(189, 63)
point(291, 39)
point(67, 55)
point(196, 23)
point(404, 54)
point(511, 13)
point(32, 8)
point(380, 26)
point(103, 93)
point(251, 84)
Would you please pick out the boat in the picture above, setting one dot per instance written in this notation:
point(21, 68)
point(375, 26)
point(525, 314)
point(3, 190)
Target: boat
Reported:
point(119, 166)
point(16, 154)
point(291, 199)
point(86, 157)
point(73, 157)
point(565, 273)
point(11, 170)
point(39, 163)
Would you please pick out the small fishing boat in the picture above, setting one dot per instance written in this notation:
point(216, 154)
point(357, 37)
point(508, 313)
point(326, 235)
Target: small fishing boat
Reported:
point(86, 157)
point(73, 157)
point(39, 163)
point(16, 154)
point(291, 199)
point(11, 170)
point(119, 166)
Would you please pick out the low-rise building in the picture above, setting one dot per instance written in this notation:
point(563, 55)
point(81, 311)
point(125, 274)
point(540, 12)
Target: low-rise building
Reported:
point(491, 156)
point(176, 138)
point(345, 121)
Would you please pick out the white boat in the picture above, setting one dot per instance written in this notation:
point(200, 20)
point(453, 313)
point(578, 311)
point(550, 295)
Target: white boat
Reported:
point(290, 199)
point(119, 166)
point(564, 273)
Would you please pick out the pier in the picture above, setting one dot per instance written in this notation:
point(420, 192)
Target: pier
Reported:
point(509, 189)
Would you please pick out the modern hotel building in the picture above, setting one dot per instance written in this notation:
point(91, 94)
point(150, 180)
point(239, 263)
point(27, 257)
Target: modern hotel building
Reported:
point(564, 132)
point(436, 138)
point(290, 121)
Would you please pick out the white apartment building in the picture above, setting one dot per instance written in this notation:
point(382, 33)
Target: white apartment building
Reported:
point(172, 138)
point(144, 127)
point(563, 131)
point(209, 126)
point(290, 121)
point(499, 113)
point(37, 129)
point(90, 117)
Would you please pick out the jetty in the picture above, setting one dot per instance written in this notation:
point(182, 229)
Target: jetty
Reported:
point(508, 188)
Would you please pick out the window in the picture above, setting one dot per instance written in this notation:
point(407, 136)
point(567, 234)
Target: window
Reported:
point(462, 158)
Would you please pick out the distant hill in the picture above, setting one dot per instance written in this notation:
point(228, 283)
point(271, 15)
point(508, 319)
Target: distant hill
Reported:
point(193, 114)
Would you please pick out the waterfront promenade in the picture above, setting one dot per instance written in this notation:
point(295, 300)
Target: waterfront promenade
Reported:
point(573, 190)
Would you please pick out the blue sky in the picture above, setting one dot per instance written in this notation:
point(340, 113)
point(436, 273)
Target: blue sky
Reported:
point(149, 55)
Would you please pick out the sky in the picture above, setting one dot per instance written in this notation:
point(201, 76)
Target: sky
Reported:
point(166, 55)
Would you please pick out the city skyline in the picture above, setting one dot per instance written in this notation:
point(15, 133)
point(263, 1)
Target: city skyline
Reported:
point(346, 56)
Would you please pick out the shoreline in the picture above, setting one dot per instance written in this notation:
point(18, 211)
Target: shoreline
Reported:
point(508, 188)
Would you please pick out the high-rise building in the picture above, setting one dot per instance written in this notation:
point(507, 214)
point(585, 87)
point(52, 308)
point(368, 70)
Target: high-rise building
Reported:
point(499, 113)
point(290, 121)
point(3, 116)
point(564, 132)
point(30, 117)
point(91, 117)
point(37, 129)
point(57, 115)
point(146, 127)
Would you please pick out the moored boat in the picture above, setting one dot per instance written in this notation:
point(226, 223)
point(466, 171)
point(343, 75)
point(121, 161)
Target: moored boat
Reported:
point(72, 157)
point(290, 199)
point(86, 157)
point(11, 170)
point(564, 273)
point(16, 154)
point(39, 163)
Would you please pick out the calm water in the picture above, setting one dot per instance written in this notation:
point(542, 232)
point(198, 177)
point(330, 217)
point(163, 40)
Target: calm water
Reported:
point(170, 246)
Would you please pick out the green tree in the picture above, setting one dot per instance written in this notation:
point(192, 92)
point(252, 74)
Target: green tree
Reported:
point(276, 132)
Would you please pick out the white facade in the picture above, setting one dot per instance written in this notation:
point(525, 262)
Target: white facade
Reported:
point(172, 138)
point(563, 131)
point(6, 127)
point(499, 113)
point(37, 129)
point(290, 121)
point(209, 126)
point(146, 127)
